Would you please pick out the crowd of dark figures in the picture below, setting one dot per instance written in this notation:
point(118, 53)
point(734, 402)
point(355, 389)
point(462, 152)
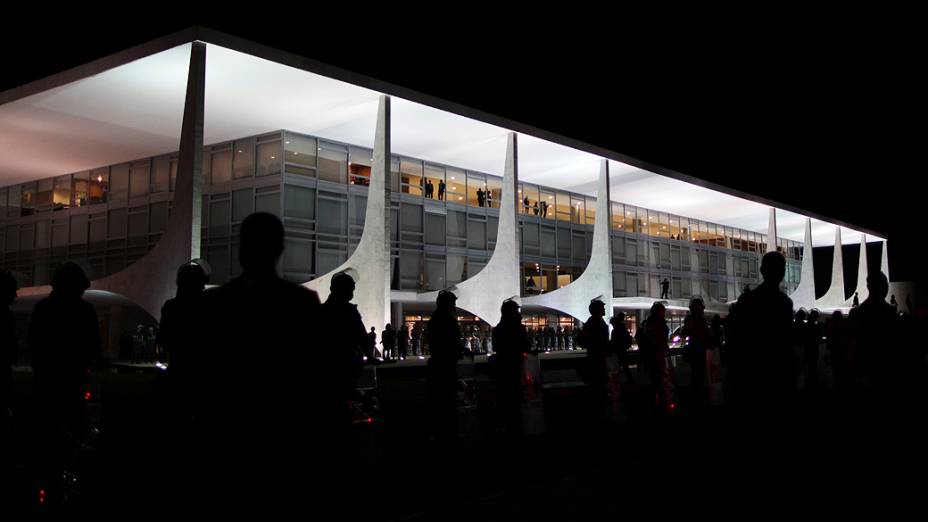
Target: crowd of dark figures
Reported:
point(234, 423)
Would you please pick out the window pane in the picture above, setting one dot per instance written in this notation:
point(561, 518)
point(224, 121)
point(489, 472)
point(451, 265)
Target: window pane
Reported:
point(333, 216)
point(219, 217)
point(139, 179)
point(158, 216)
point(411, 176)
point(411, 218)
point(28, 199)
point(435, 231)
point(79, 229)
point(221, 167)
point(299, 202)
point(243, 160)
point(494, 191)
point(160, 174)
point(62, 196)
point(300, 150)
point(117, 223)
point(435, 187)
point(243, 204)
point(333, 164)
point(477, 235)
point(119, 182)
point(269, 202)
point(269, 158)
point(298, 256)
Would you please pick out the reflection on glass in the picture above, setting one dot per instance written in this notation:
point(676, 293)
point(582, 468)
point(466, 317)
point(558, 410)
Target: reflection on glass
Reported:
point(243, 159)
point(411, 177)
point(99, 185)
point(61, 198)
point(269, 161)
point(27, 205)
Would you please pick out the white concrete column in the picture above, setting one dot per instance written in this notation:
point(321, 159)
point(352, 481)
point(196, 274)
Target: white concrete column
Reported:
point(862, 272)
point(151, 280)
point(772, 231)
point(804, 295)
point(884, 263)
point(484, 293)
point(369, 264)
point(835, 297)
point(596, 280)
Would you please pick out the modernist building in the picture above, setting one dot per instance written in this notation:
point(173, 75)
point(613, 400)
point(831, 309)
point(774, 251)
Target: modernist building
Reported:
point(134, 164)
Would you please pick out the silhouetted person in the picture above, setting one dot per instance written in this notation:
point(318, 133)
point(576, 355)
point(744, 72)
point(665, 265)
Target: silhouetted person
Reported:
point(535, 208)
point(526, 205)
point(595, 338)
point(839, 350)
point(272, 395)
point(653, 351)
point(489, 198)
point(345, 342)
point(665, 289)
point(510, 344)
point(402, 341)
point(544, 209)
point(480, 197)
point(700, 341)
point(760, 342)
point(429, 189)
point(177, 334)
point(441, 189)
point(8, 357)
point(444, 337)
point(856, 300)
point(388, 340)
point(812, 337)
point(893, 303)
point(371, 343)
point(620, 342)
point(64, 345)
point(877, 348)
point(746, 289)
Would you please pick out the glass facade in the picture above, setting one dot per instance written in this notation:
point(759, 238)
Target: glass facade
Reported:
point(444, 222)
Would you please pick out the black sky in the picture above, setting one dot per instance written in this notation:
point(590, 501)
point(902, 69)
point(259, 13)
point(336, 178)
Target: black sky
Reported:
point(822, 111)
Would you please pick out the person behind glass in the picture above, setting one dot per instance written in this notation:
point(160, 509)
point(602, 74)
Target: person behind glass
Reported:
point(544, 209)
point(489, 198)
point(620, 342)
point(261, 413)
point(480, 197)
point(665, 289)
point(595, 339)
point(371, 344)
point(654, 350)
point(441, 189)
point(698, 342)
point(402, 341)
point(444, 338)
point(180, 321)
point(534, 207)
point(526, 205)
point(429, 188)
point(64, 345)
point(9, 354)
point(759, 344)
point(511, 346)
point(388, 340)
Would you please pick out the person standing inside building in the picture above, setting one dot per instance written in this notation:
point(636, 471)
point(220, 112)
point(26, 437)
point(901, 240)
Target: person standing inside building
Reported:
point(489, 198)
point(526, 205)
point(665, 289)
point(511, 346)
point(402, 341)
point(699, 342)
point(535, 208)
point(441, 189)
point(444, 337)
point(371, 351)
point(64, 345)
point(595, 339)
point(388, 340)
point(429, 189)
point(480, 197)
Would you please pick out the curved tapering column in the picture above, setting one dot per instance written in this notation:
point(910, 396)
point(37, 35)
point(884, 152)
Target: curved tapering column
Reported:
point(369, 264)
point(150, 281)
point(835, 297)
point(862, 272)
point(596, 280)
point(884, 262)
point(772, 231)
point(804, 295)
point(483, 293)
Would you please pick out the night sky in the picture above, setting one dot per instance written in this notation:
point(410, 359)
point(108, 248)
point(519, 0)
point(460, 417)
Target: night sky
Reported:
point(821, 111)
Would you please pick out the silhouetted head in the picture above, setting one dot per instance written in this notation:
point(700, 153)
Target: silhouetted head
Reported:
point(509, 312)
point(597, 308)
point(658, 311)
point(191, 278)
point(261, 242)
point(70, 280)
point(372, 329)
point(387, 326)
point(618, 320)
point(837, 316)
point(8, 288)
point(446, 301)
point(813, 316)
point(878, 285)
point(342, 286)
point(697, 307)
point(800, 315)
point(773, 267)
